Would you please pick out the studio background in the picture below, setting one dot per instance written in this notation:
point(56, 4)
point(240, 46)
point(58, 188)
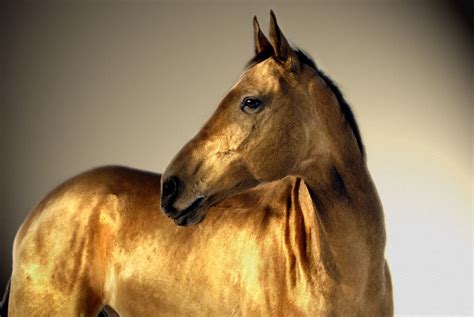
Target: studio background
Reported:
point(89, 84)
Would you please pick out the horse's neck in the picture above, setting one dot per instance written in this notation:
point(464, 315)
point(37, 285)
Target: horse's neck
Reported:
point(350, 221)
point(349, 213)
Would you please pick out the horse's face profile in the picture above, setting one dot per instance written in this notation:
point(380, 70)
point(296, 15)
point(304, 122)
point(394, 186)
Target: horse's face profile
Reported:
point(258, 133)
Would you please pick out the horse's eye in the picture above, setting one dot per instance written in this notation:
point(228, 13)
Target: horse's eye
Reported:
point(251, 105)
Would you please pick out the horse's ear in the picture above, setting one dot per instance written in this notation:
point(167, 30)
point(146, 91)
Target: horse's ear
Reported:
point(283, 51)
point(261, 42)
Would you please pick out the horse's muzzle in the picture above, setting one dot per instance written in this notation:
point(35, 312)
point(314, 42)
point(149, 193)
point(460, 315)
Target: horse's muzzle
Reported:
point(171, 189)
point(189, 216)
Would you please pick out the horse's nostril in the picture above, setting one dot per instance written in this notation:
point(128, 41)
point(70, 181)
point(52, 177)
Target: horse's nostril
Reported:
point(170, 187)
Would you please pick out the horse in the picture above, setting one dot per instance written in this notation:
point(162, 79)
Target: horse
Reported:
point(269, 210)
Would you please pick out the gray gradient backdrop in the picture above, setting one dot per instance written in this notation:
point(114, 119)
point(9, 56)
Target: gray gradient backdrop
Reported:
point(89, 84)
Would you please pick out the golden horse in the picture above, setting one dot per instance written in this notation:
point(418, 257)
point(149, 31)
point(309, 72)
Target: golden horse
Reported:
point(273, 213)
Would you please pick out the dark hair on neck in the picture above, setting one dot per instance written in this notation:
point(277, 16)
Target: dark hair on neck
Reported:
point(346, 110)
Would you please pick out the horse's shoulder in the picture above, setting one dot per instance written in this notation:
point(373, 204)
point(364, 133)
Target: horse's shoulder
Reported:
point(275, 197)
point(288, 190)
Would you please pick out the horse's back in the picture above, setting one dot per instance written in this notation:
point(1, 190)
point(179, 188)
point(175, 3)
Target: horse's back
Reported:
point(61, 251)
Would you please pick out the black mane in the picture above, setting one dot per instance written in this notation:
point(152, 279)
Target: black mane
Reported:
point(346, 110)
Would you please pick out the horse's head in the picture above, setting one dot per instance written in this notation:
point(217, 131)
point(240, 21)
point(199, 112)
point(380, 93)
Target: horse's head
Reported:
point(259, 132)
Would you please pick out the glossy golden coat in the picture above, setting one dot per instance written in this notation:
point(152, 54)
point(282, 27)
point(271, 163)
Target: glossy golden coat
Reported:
point(293, 225)
point(101, 238)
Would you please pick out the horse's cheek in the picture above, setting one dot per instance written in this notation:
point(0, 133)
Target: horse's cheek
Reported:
point(278, 161)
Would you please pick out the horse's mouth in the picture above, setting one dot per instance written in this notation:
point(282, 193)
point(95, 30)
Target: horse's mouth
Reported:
point(191, 216)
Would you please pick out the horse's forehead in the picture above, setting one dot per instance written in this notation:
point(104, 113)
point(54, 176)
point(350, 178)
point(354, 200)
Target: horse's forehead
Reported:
point(266, 72)
point(265, 68)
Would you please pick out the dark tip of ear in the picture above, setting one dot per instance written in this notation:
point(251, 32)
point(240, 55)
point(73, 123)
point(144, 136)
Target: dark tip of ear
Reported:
point(274, 28)
point(255, 22)
point(272, 15)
